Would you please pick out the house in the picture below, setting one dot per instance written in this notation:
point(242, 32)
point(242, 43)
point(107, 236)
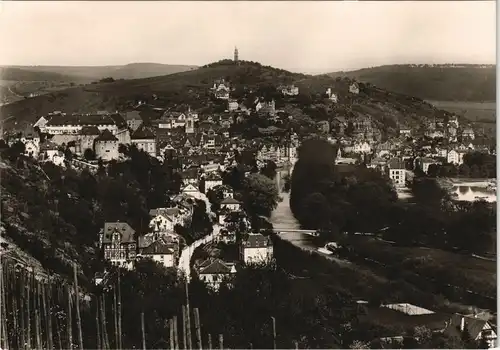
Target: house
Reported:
point(41, 122)
point(145, 139)
point(468, 133)
point(354, 88)
point(221, 90)
point(106, 146)
point(49, 152)
point(175, 214)
point(118, 242)
point(133, 120)
point(162, 250)
point(456, 156)
point(215, 271)
point(453, 121)
point(161, 220)
point(362, 147)
point(405, 131)
point(289, 90)
point(425, 162)
point(230, 204)
point(193, 192)
point(256, 248)
point(232, 105)
point(212, 180)
point(477, 328)
point(331, 95)
point(190, 176)
point(397, 172)
point(266, 107)
point(434, 134)
point(63, 124)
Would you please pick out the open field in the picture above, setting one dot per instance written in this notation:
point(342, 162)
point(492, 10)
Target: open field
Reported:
point(484, 112)
point(442, 267)
point(481, 113)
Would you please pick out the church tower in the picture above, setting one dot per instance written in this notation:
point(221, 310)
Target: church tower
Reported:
point(236, 59)
point(189, 122)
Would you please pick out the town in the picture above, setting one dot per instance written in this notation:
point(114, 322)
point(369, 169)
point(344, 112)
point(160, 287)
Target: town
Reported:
point(236, 205)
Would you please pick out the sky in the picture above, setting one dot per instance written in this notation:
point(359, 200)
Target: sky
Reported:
point(310, 37)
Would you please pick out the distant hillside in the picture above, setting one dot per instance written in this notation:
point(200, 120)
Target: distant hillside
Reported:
point(129, 71)
point(473, 83)
point(388, 110)
point(25, 74)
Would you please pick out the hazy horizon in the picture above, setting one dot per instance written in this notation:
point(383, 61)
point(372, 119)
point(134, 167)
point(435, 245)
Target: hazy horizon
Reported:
point(309, 37)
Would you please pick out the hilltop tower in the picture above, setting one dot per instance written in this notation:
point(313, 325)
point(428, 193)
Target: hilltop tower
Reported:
point(236, 59)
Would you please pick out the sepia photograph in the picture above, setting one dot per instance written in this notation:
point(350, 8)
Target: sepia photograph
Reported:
point(248, 175)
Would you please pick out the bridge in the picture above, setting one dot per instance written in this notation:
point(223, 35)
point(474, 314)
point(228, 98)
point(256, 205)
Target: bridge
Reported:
point(279, 230)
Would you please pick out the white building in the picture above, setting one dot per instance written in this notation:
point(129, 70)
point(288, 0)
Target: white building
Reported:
point(230, 204)
point(165, 219)
point(212, 180)
point(106, 146)
point(289, 90)
point(215, 271)
point(192, 191)
point(397, 172)
point(161, 252)
point(456, 157)
point(62, 124)
point(145, 139)
point(354, 88)
point(256, 249)
point(362, 147)
point(232, 105)
point(425, 163)
point(331, 95)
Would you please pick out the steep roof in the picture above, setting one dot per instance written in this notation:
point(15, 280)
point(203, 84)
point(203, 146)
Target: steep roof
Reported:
point(126, 232)
point(89, 130)
point(106, 135)
point(143, 132)
point(216, 266)
point(133, 115)
point(396, 163)
point(81, 119)
point(257, 240)
point(158, 247)
point(230, 200)
point(168, 212)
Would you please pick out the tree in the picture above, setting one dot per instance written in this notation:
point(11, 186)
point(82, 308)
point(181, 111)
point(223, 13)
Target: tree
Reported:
point(269, 169)
point(433, 170)
point(201, 225)
point(260, 195)
point(464, 170)
point(16, 149)
point(475, 172)
point(89, 154)
point(215, 196)
point(428, 192)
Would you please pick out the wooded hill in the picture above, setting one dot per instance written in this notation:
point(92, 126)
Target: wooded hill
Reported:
point(387, 109)
point(472, 83)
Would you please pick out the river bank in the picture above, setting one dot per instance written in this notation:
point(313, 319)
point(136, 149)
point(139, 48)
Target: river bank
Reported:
point(282, 218)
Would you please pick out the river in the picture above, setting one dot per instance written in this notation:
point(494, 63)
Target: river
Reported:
point(282, 218)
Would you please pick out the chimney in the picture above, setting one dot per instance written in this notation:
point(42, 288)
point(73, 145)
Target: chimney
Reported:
point(462, 323)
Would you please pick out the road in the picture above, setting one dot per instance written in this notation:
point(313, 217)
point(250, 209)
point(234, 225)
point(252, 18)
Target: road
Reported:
point(187, 252)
